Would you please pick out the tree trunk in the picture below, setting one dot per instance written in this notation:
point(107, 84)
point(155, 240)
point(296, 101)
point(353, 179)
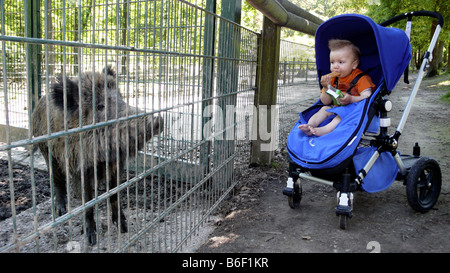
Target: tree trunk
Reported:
point(448, 58)
point(433, 70)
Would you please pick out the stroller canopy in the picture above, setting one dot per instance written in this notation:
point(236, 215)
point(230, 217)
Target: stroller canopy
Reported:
point(386, 50)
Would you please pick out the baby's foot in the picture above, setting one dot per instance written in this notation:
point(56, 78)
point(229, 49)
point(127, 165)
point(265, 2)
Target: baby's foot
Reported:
point(305, 128)
point(318, 131)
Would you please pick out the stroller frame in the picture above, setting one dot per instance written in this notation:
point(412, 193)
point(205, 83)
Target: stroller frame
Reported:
point(421, 175)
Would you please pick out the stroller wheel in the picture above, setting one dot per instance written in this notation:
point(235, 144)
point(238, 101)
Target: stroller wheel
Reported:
point(423, 184)
point(294, 200)
point(343, 221)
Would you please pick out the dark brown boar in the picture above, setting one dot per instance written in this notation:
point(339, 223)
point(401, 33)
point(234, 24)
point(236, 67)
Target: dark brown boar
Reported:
point(90, 151)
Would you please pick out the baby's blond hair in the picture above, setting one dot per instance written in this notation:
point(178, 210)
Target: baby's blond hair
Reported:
point(335, 44)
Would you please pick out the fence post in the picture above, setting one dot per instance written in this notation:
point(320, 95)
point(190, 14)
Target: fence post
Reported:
point(227, 85)
point(33, 59)
point(228, 68)
point(208, 79)
point(306, 70)
point(293, 70)
point(266, 91)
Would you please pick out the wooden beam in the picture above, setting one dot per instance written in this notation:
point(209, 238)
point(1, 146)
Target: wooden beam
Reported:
point(286, 14)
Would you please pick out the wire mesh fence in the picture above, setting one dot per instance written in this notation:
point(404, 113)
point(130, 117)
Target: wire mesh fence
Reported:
point(296, 74)
point(122, 121)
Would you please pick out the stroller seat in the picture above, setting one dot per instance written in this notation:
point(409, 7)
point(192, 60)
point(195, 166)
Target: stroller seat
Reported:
point(338, 158)
point(386, 52)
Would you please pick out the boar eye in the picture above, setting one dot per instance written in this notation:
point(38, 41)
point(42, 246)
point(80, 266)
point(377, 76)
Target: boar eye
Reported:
point(100, 107)
point(99, 86)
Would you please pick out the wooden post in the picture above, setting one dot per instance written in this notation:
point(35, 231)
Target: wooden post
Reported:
point(266, 92)
point(306, 70)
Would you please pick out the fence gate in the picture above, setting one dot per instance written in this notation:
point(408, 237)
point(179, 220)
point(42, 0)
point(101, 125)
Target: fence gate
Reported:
point(172, 59)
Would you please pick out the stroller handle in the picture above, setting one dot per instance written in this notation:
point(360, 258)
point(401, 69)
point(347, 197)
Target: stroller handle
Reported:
point(415, 13)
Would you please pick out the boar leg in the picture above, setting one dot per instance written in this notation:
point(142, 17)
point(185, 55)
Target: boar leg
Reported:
point(89, 216)
point(115, 203)
point(59, 181)
point(116, 207)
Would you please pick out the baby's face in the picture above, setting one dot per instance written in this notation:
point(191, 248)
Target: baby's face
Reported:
point(343, 60)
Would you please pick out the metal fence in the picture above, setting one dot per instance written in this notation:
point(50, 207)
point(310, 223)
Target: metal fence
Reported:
point(296, 76)
point(172, 59)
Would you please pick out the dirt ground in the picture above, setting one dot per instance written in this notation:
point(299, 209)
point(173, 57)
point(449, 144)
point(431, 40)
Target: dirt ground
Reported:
point(258, 219)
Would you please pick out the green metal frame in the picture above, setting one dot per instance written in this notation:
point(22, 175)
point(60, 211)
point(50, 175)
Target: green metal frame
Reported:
point(33, 56)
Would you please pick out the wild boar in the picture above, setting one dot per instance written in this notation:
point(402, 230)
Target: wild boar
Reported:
point(92, 150)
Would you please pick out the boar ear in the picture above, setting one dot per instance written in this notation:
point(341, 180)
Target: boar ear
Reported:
point(57, 94)
point(109, 71)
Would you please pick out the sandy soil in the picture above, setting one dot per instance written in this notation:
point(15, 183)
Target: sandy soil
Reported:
point(259, 219)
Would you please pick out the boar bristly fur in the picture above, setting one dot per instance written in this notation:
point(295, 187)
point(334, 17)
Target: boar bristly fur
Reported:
point(90, 151)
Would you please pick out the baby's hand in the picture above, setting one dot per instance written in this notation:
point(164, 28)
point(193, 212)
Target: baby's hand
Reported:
point(325, 80)
point(347, 99)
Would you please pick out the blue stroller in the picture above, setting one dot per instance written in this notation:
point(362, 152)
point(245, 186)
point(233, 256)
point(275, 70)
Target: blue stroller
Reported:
point(359, 154)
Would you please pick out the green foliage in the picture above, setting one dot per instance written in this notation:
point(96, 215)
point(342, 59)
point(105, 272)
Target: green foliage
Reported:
point(251, 18)
point(446, 97)
point(421, 25)
point(379, 11)
point(171, 26)
point(92, 21)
